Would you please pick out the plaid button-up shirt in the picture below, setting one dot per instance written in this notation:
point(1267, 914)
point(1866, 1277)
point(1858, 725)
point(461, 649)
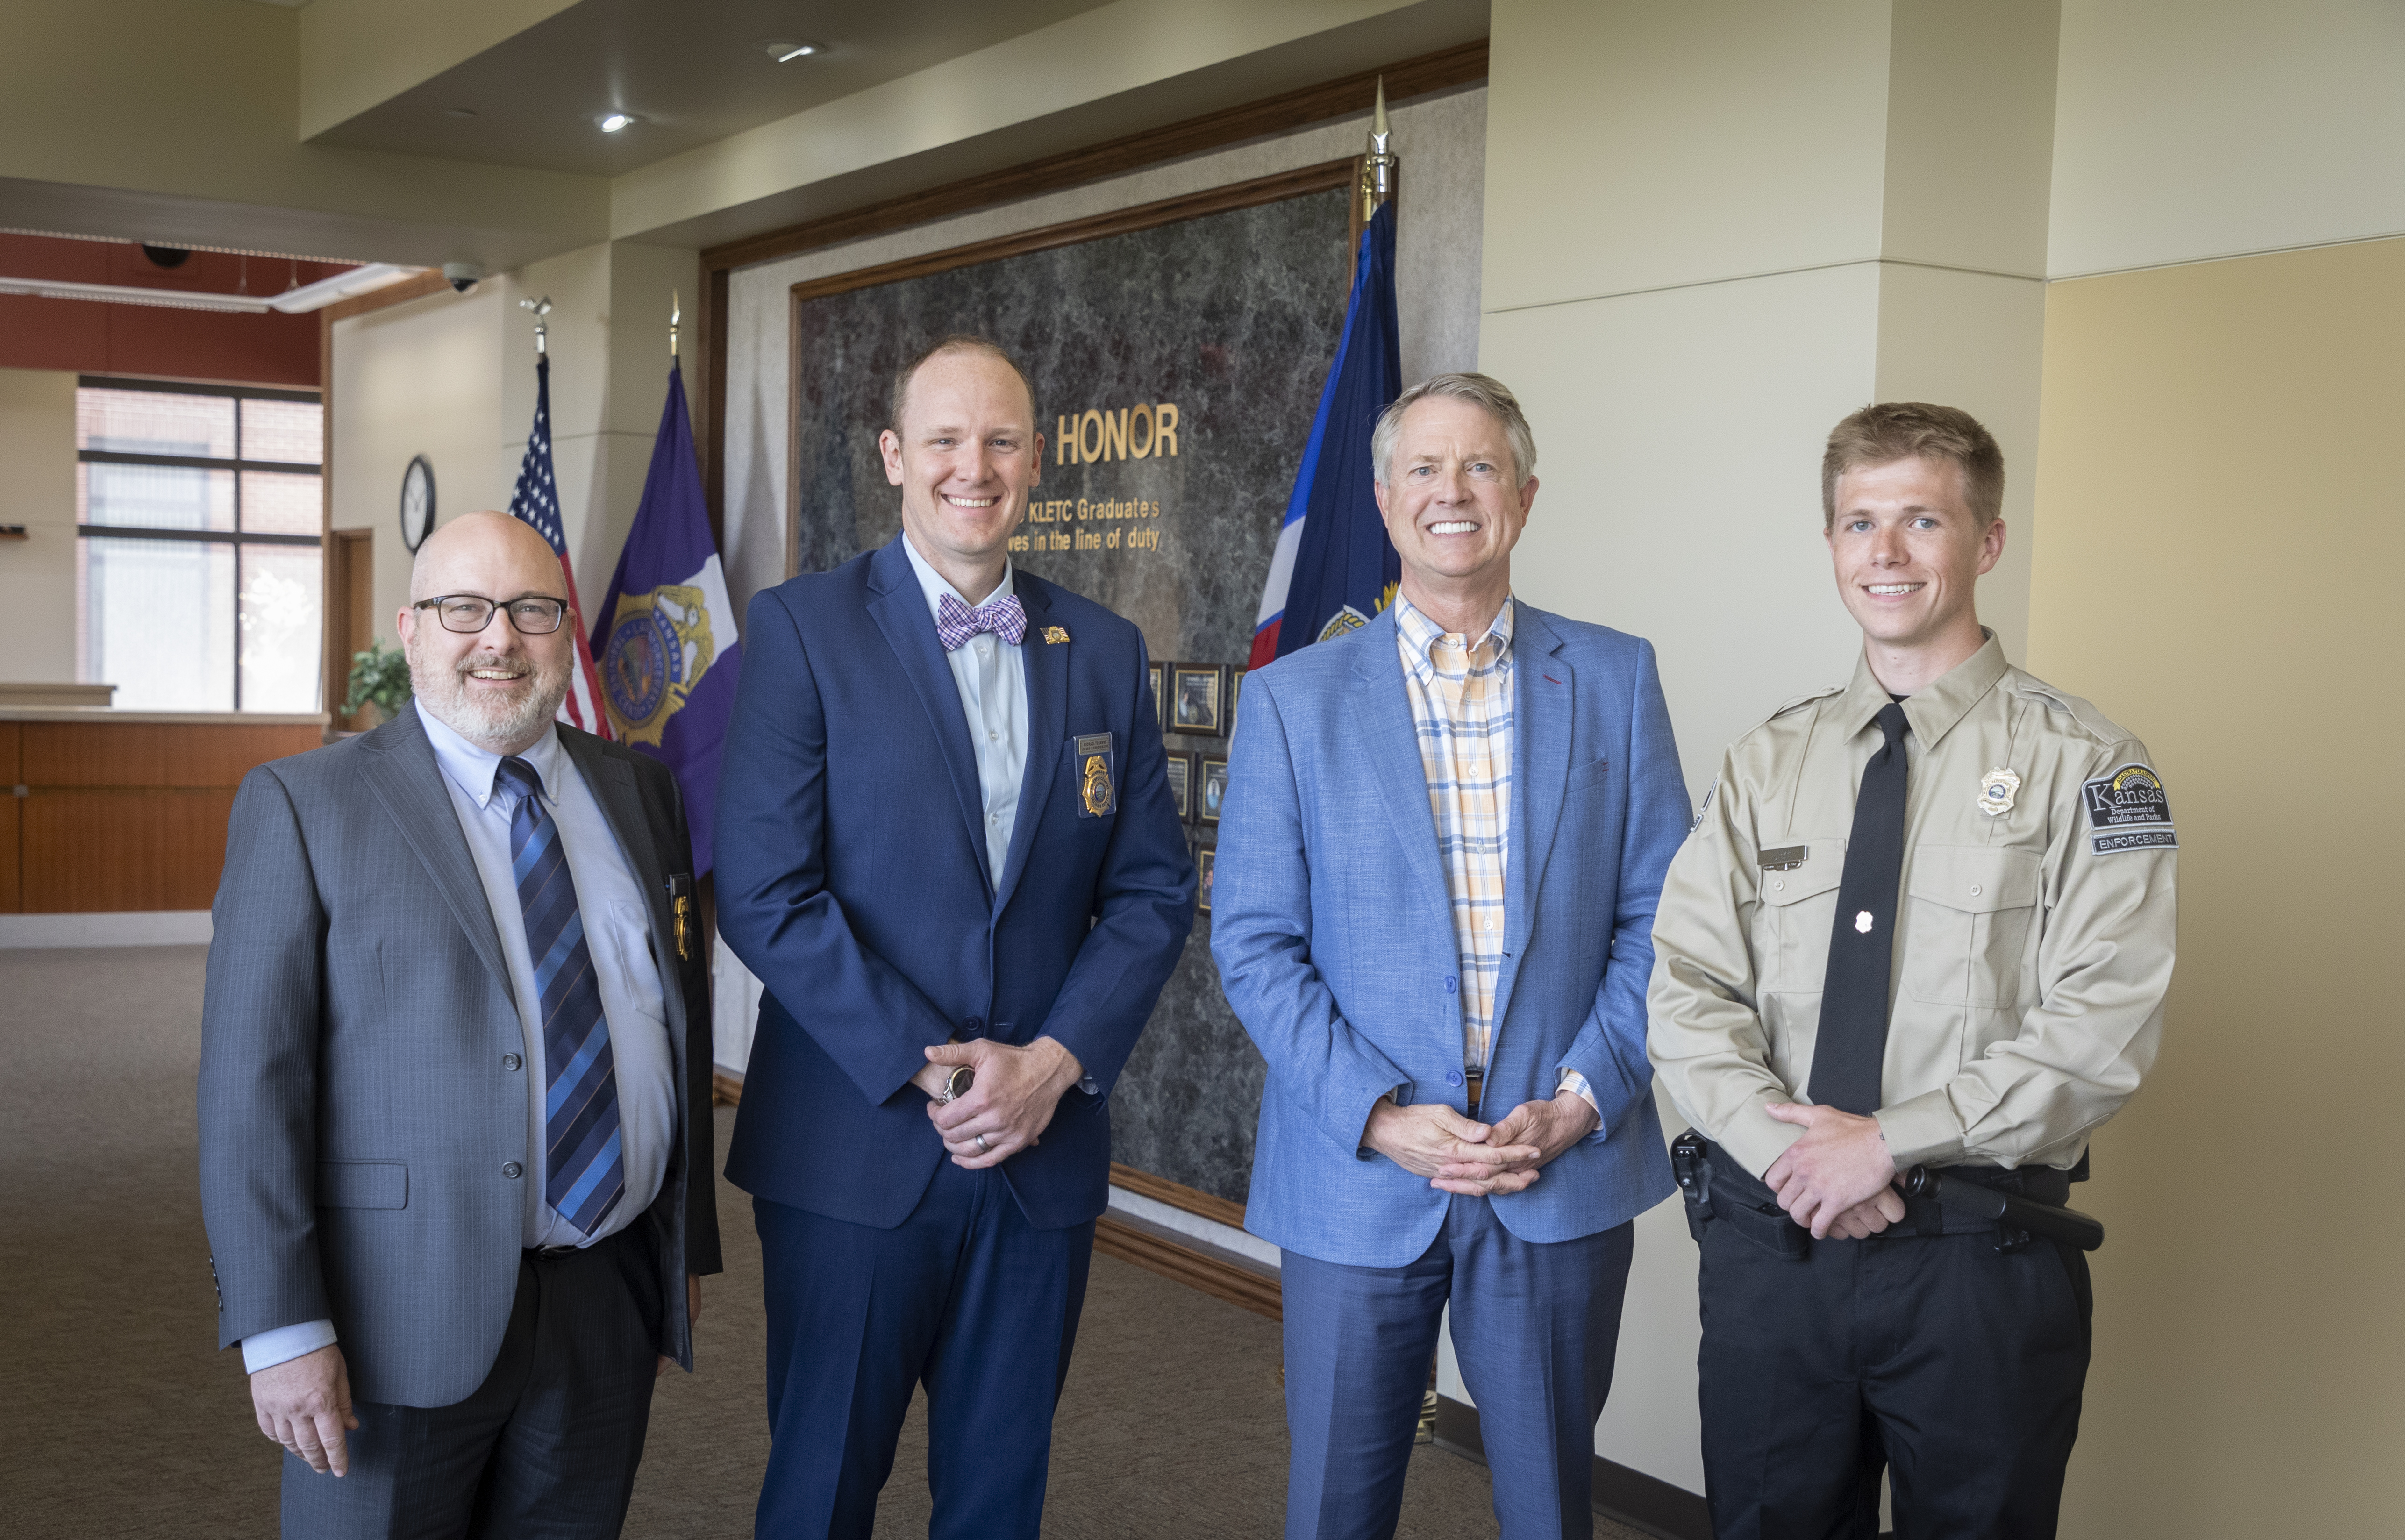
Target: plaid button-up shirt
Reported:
point(1462, 706)
point(1461, 703)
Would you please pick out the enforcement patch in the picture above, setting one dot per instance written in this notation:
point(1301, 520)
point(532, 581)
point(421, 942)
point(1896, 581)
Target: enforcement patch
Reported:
point(2128, 810)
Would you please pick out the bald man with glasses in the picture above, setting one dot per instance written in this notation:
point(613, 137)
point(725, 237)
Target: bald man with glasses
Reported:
point(455, 1158)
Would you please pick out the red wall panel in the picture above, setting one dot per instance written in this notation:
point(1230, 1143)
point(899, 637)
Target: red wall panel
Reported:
point(99, 337)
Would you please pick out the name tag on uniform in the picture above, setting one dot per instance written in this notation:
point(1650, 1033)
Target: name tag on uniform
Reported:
point(1785, 858)
point(1097, 789)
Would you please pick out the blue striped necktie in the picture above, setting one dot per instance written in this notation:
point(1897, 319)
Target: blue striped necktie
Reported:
point(588, 1172)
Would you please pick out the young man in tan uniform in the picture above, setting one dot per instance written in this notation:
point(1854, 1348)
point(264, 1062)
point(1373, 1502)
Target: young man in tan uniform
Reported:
point(1926, 919)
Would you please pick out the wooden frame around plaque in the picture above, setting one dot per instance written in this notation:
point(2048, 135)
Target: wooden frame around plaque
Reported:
point(1198, 699)
point(1181, 783)
point(1202, 864)
point(1159, 672)
point(1235, 696)
point(1209, 768)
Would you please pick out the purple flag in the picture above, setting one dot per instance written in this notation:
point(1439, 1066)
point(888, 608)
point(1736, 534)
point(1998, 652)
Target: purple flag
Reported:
point(664, 637)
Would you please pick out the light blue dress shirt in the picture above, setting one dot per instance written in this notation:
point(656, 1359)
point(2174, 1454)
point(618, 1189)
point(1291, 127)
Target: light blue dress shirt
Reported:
point(993, 681)
point(617, 931)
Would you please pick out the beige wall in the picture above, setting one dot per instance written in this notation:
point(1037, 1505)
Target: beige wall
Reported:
point(424, 378)
point(2193, 129)
point(2218, 567)
point(38, 489)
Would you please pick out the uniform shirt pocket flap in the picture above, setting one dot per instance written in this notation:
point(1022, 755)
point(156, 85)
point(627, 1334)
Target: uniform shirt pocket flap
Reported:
point(1974, 878)
point(1791, 881)
point(362, 1185)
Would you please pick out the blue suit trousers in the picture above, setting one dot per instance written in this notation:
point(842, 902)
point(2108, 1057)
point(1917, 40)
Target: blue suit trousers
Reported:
point(1535, 1327)
point(965, 1296)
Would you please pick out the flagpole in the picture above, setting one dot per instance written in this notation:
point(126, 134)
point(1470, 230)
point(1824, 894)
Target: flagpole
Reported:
point(1333, 568)
point(536, 501)
point(1377, 187)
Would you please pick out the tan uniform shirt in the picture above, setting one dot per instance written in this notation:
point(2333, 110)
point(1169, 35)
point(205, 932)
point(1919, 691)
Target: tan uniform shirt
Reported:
point(2033, 946)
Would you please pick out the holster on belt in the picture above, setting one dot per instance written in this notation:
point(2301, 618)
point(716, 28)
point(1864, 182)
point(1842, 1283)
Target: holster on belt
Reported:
point(1715, 1186)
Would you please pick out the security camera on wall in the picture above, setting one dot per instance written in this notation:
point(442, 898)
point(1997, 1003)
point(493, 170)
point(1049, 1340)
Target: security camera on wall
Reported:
point(462, 276)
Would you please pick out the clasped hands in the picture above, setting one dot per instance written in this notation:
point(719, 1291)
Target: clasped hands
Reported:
point(1838, 1179)
point(1016, 1091)
point(1459, 1154)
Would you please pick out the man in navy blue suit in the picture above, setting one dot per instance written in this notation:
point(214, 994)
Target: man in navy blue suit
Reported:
point(946, 845)
point(1443, 837)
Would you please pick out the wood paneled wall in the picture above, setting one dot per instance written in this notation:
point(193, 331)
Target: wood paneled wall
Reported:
point(124, 815)
point(13, 806)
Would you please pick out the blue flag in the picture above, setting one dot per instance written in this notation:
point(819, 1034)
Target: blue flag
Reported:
point(665, 636)
point(1334, 567)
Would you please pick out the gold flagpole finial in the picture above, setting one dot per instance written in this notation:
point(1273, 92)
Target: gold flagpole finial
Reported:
point(542, 328)
point(676, 314)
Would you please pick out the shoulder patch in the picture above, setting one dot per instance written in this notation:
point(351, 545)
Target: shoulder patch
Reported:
point(2128, 810)
point(1705, 805)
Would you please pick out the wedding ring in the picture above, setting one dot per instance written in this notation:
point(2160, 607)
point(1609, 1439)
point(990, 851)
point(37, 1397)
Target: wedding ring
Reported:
point(983, 1148)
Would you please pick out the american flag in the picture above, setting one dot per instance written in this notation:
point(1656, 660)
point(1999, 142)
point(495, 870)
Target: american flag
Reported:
point(537, 501)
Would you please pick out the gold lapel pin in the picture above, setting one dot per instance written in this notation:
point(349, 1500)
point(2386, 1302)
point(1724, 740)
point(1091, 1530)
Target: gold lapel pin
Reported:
point(1054, 636)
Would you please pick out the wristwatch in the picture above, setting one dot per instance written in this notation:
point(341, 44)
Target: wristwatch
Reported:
point(956, 1084)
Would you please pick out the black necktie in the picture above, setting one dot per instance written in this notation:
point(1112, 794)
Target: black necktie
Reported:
point(1852, 1040)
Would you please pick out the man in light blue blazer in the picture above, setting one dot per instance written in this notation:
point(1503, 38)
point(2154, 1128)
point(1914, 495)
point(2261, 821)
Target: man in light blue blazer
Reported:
point(1438, 861)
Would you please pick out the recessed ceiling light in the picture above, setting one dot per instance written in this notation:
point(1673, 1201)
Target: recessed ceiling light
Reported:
point(785, 49)
point(613, 122)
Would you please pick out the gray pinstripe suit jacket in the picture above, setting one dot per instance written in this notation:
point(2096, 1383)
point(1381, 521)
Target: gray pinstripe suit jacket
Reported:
point(355, 1111)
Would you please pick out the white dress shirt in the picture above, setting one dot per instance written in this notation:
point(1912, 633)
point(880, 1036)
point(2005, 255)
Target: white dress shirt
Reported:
point(609, 900)
point(993, 681)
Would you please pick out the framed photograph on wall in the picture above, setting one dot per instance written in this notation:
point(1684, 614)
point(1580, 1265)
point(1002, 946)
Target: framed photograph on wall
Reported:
point(1161, 694)
point(1181, 783)
point(1211, 786)
point(1235, 696)
point(1202, 855)
point(1198, 699)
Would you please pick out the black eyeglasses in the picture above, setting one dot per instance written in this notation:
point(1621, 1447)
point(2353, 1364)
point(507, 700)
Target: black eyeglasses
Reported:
point(472, 612)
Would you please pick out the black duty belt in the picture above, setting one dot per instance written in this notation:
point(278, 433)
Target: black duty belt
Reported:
point(2010, 1205)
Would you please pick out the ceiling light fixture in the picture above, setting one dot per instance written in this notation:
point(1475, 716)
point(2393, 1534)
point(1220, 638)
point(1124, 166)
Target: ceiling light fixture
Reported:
point(613, 122)
point(785, 50)
point(341, 286)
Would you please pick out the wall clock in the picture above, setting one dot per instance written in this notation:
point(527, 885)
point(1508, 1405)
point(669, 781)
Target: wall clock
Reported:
point(416, 503)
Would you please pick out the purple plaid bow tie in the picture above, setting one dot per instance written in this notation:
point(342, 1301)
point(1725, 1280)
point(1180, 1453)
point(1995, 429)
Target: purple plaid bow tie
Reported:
point(956, 622)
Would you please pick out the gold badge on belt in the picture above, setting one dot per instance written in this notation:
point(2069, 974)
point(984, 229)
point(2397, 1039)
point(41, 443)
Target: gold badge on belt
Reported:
point(1997, 790)
point(1096, 795)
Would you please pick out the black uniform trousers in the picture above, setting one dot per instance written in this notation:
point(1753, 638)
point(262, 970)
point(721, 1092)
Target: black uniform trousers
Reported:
point(1955, 1368)
point(546, 1447)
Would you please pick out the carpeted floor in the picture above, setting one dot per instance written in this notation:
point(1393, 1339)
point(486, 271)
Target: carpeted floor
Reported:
point(120, 1420)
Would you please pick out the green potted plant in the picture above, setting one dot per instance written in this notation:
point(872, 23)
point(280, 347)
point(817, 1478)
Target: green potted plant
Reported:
point(379, 684)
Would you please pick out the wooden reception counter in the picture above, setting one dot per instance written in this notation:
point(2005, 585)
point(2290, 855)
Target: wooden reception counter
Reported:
point(125, 810)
